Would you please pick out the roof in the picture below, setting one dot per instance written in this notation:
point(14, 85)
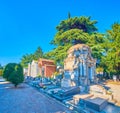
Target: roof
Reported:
point(77, 46)
point(42, 59)
point(50, 65)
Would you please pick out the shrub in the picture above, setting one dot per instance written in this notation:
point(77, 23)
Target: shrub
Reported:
point(1, 72)
point(39, 76)
point(14, 73)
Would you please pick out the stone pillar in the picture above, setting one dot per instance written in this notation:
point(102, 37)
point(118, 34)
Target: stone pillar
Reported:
point(80, 69)
point(85, 71)
point(91, 73)
point(36, 69)
point(29, 69)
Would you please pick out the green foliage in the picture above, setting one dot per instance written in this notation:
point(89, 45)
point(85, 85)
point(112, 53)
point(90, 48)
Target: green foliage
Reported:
point(58, 54)
point(71, 36)
point(1, 66)
point(29, 57)
point(112, 50)
point(1, 72)
point(56, 73)
point(69, 15)
point(38, 53)
point(73, 31)
point(96, 41)
point(99, 69)
point(39, 76)
point(83, 23)
point(14, 73)
point(26, 59)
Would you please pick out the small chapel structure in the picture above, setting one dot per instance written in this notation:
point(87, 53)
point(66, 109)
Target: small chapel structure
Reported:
point(79, 67)
point(41, 67)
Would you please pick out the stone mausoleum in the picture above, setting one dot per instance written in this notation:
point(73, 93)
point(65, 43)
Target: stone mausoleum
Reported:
point(46, 67)
point(79, 67)
point(33, 69)
point(42, 67)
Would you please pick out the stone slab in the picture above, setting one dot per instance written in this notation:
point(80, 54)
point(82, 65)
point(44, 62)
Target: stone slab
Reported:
point(97, 103)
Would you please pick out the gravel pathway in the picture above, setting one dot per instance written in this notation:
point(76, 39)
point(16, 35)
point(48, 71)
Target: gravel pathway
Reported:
point(26, 99)
point(116, 91)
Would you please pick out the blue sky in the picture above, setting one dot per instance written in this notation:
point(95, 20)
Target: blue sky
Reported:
point(27, 24)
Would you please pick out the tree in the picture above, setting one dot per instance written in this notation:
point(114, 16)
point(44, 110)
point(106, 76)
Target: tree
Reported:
point(111, 60)
point(58, 54)
point(83, 23)
point(69, 15)
point(14, 73)
point(1, 66)
point(29, 57)
point(1, 70)
point(73, 31)
point(38, 53)
point(72, 36)
point(96, 41)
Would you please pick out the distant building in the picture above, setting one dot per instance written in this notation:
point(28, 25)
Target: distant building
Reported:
point(25, 71)
point(33, 69)
point(47, 67)
point(42, 67)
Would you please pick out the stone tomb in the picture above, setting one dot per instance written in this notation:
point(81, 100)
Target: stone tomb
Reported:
point(97, 103)
point(64, 93)
point(41, 67)
point(79, 67)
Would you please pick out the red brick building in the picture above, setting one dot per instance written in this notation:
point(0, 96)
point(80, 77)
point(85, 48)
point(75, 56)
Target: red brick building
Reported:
point(47, 67)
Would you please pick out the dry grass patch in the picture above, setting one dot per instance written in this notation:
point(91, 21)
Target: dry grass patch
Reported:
point(113, 82)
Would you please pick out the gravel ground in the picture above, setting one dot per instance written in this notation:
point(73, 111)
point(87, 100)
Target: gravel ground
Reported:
point(26, 99)
point(116, 91)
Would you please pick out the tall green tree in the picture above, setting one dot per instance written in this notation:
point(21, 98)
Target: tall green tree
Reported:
point(73, 31)
point(1, 70)
point(84, 23)
point(29, 57)
point(112, 46)
point(96, 41)
point(1, 66)
point(38, 53)
point(75, 24)
point(58, 54)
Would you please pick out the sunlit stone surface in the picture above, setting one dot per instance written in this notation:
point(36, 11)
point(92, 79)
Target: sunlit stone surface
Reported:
point(33, 69)
point(79, 67)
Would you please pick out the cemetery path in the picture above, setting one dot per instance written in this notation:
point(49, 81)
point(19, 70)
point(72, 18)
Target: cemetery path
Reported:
point(116, 91)
point(26, 99)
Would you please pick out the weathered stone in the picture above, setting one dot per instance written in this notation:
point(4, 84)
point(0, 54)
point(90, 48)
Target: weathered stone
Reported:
point(79, 67)
point(33, 69)
point(42, 67)
point(97, 104)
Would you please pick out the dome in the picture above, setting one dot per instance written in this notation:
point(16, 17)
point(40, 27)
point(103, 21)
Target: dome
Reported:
point(78, 47)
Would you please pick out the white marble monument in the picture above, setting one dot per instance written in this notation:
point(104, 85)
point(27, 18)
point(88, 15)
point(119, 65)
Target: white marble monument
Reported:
point(79, 67)
point(33, 69)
